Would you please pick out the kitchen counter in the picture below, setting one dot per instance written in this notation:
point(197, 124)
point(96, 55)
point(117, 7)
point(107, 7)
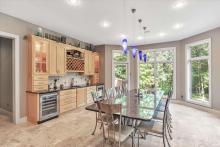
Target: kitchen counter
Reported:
point(65, 88)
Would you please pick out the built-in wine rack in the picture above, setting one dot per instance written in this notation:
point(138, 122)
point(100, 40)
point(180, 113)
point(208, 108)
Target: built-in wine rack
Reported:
point(75, 61)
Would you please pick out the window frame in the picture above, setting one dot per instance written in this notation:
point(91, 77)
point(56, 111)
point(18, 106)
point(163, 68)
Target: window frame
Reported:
point(188, 71)
point(127, 63)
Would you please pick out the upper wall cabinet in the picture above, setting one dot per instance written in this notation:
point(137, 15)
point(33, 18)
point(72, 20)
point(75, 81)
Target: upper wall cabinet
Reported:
point(57, 58)
point(89, 63)
point(40, 51)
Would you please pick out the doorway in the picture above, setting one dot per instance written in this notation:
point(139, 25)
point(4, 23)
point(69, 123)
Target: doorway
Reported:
point(10, 76)
point(6, 83)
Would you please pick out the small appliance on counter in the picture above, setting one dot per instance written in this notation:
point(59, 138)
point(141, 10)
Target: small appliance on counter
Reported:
point(49, 106)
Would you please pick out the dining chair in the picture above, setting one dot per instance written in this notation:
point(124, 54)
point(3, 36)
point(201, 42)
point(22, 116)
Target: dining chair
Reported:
point(118, 91)
point(109, 93)
point(158, 114)
point(113, 130)
point(155, 127)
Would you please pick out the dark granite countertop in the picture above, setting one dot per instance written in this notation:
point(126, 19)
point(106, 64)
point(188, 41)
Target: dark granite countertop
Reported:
point(65, 88)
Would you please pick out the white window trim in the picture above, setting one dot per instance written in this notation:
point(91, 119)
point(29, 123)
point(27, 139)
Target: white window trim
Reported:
point(188, 84)
point(174, 66)
point(113, 69)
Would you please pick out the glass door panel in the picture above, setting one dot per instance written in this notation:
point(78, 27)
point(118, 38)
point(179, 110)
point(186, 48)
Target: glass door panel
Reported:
point(146, 76)
point(120, 74)
point(41, 56)
point(164, 80)
point(200, 80)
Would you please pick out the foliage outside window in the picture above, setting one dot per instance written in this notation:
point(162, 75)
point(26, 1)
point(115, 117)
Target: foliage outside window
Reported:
point(120, 68)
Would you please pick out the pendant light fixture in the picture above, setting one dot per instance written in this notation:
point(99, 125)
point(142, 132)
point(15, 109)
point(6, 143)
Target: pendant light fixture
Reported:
point(145, 54)
point(124, 39)
point(134, 48)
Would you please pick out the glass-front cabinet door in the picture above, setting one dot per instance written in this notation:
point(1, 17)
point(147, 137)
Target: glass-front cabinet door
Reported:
point(40, 55)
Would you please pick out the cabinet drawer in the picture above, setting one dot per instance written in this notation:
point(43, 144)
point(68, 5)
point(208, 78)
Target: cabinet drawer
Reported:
point(41, 78)
point(65, 108)
point(40, 82)
point(71, 92)
point(67, 100)
point(40, 87)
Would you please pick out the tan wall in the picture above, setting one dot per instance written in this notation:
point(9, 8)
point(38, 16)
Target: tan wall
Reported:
point(22, 28)
point(6, 74)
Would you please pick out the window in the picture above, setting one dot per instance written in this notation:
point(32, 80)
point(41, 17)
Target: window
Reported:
point(198, 74)
point(159, 71)
point(120, 68)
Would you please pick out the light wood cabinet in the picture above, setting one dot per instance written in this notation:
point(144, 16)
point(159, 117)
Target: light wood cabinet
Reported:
point(38, 63)
point(40, 54)
point(67, 100)
point(81, 97)
point(89, 90)
point(33, 107)
point(57, 58)
point(89, 63)
point(61, 59)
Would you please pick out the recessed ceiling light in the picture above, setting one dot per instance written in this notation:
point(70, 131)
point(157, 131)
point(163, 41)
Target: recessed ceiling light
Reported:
point(162, 34)
point(178, 26)
point(105, 24)
point(123, 36)
point(140, 38)
point(179, 4)
point(73, 2)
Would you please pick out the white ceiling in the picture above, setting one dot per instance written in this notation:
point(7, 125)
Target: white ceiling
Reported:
point(83, 21)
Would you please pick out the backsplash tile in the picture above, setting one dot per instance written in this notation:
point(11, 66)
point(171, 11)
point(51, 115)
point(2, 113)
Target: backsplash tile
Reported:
point(67, 78)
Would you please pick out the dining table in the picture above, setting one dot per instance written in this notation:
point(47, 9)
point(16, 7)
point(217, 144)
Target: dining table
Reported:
point(136, 105)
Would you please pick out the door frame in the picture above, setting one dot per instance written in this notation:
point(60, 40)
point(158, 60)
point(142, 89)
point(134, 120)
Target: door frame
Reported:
point(174, 67)
point(15, 74)
point(128, 66)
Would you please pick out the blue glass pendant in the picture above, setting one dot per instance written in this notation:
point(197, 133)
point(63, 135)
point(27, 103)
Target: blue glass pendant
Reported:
point(125, 45)
point(145, 57)
point(134, 50)
point(140, 55)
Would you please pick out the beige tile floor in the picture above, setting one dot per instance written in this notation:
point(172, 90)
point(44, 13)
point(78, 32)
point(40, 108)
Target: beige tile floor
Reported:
point(192, 128)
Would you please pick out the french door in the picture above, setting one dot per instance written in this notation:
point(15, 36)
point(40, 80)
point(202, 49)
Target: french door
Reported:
point(159, 71)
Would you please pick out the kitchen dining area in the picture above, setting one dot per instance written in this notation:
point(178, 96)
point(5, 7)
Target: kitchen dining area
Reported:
point(118, 73)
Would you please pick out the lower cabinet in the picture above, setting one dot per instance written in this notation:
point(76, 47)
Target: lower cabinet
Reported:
point(67, 100)
point(81, 97)
point(89, 90)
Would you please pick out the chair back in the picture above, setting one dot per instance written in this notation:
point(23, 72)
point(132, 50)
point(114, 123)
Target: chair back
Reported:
point(118, 92)
point(95, 96)
point(110, 125)
point(109, 93)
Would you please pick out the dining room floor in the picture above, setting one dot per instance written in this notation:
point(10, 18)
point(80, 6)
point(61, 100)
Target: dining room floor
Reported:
point(192, 128)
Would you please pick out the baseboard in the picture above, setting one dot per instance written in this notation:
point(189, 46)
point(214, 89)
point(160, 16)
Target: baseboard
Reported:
point(5, 112)
point(22, 120)
point(199, 107)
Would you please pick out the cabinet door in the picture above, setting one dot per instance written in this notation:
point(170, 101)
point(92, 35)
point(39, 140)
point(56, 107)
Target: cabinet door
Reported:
point(86, 66)
point(53, 58)
point(91, 63)
point(81, 95)
point(60, 59)
point(40, 48)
